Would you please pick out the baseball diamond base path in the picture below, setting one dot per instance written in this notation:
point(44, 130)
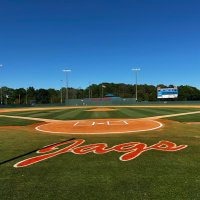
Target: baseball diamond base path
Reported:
point(100, 126)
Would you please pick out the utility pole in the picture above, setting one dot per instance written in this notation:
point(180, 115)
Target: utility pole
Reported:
point(1, 89)
point(102, 86)
point(61, 96)
point(66, 71)
point(26, 96)
point(136, 70)
point(19, 98)
point(89, 91)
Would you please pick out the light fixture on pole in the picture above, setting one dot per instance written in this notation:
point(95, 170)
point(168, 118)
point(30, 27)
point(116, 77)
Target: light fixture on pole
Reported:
point(1, 89)
point(66, 71)
point(136, 70)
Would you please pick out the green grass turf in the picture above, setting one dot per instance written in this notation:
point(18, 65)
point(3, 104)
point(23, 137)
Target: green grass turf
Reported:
point(71, 114)
point(187, 118)
point(153, 175)
point(4, 121)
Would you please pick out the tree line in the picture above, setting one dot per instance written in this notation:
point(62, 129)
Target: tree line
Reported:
point(51, 95)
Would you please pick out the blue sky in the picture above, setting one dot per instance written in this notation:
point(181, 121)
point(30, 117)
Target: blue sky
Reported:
point(100, 41)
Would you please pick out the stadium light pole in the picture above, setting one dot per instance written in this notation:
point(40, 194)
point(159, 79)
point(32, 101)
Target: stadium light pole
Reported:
point(102, 86)
point(26, 96)
point(1, 88)
point(102, 92)
point(89, 93)
point(66, 71)
point(136, 70)
point(61, 98)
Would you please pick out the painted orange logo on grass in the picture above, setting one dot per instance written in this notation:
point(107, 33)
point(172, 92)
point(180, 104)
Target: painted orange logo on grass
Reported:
point(130, 150)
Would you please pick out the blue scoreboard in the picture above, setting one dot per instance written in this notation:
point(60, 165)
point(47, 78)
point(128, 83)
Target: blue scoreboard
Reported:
point(167, 93)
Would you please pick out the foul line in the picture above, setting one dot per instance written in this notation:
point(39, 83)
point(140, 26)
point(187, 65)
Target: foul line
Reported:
point(172, 115)
point(31, 118)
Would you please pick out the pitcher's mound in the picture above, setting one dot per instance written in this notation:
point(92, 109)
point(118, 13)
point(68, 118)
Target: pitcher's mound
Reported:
point(100, 126)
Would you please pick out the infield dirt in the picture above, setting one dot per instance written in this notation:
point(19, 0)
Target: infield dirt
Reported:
point(100, 126)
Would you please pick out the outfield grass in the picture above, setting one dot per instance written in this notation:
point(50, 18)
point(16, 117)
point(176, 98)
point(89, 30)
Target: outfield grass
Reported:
point(154, 175)
point(71, 114)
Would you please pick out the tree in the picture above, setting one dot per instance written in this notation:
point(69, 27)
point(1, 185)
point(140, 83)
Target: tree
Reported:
point(51, 95)
point(20, 96)
point(31, 94)
point(42, 96)
point(54, 95)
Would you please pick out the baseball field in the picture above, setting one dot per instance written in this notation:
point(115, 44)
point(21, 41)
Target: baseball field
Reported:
point(92, 153)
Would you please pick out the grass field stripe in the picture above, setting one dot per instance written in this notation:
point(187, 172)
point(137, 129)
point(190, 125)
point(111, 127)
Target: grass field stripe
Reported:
point(72, 175)
point(78, 107)
point(53, 120)
point(11, 159)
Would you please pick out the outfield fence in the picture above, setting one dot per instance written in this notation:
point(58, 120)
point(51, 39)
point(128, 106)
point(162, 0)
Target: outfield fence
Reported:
point(125, 101)
point(100, 102)
point(105, 102)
